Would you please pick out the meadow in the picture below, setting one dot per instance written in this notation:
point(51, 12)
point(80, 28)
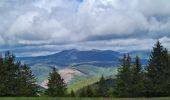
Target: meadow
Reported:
point(50, 98)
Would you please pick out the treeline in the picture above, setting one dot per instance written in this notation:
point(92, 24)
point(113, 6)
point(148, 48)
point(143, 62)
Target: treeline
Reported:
point(135, 80)
point(16, 79)
point(132, 80)
point(152, 81)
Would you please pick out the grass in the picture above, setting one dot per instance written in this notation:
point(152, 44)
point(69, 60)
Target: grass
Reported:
point(94, 77)
point(82, 84)
point(49, 98)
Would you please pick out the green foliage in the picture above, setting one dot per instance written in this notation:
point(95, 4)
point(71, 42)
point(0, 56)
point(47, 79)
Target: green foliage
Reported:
point(89, 92)
point(102, 88)
point(82, 93)
point(66, 98)
point(56, 85)
point(83, 83)
point(132, 81)
point(137, 84)
point(158, 72)
point(79, 82)
point(16, 79)
point(72, 94)
point(86, 92)
point(123, 79)
point(129, 81)
point(7, 73)
point(27, 82)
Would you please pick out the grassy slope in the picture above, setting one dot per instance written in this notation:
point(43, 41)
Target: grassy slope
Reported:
point(93, 76)
point(46, 98)
point(82, 84)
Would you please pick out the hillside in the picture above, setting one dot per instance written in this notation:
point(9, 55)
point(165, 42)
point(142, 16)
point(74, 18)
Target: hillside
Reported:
point(75, 58)
point(77, 66)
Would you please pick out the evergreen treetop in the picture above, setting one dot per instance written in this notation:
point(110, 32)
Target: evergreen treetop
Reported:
point(56, 85)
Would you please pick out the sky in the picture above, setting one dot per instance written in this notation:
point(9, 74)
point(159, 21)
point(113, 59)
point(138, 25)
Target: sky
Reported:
point(42, 27)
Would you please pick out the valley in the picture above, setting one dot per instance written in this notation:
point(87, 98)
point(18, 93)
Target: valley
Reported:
point(78, 67)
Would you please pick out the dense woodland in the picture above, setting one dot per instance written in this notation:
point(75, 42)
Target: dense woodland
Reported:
point(133, 79)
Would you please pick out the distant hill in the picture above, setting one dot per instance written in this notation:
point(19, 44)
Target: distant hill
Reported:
point(73, 57)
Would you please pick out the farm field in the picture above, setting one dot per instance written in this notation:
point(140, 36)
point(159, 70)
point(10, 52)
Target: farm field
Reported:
point(49, 98)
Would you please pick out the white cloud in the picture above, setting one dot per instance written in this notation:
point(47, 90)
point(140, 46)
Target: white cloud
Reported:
point(73, 23)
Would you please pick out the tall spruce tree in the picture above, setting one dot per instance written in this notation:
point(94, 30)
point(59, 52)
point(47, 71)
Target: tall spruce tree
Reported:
point(137, 79)
point(2, 77)
point(10, 75)
point(158, 72)
point(26, 82)
point(56, 85)
point(123, 78)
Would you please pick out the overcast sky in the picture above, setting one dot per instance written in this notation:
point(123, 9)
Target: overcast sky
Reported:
point(40, 27)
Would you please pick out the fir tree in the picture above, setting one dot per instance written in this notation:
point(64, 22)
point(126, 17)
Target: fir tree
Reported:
point(2, 77)
point(89, 92)
point(10, 73)
point(26, 82)
point(137, 79)
point(158, 72)
point(102, 89)
point(123, 78)
point(56, 85)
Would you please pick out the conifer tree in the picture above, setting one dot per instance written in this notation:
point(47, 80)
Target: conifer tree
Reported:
point(102, 89)
point(56, 85)
point(123, 78)
point(2, 75)
point(158, 72)
point(89, 92)
point(137, 79)
point(10, 74)
point(82, 93)
point(26, 82)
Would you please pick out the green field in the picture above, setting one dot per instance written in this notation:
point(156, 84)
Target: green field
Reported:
point(46, 98)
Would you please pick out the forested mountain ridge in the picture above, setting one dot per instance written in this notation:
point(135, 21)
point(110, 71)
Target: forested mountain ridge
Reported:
point(74, 57)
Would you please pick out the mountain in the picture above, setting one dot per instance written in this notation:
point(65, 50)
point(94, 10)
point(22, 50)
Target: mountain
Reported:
point(75, 57)
point(78, 67)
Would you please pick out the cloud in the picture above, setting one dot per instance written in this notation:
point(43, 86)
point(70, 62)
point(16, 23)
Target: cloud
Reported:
point(90, 23)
